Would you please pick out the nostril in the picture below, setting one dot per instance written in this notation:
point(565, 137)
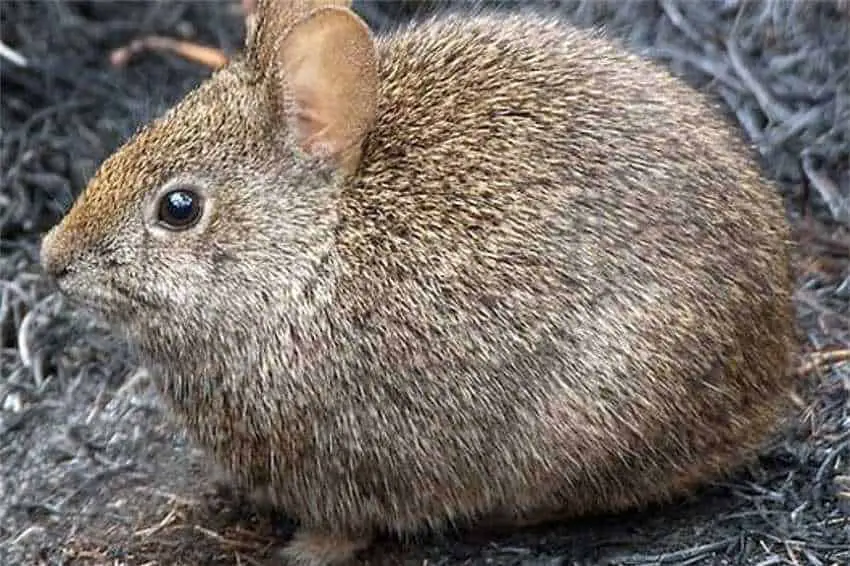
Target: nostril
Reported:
point(59, 272)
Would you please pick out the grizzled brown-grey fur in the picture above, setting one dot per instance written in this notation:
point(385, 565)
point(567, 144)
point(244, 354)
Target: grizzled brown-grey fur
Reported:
point(484, 268)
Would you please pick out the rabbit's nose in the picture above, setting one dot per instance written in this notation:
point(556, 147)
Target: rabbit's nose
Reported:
point(54, 258)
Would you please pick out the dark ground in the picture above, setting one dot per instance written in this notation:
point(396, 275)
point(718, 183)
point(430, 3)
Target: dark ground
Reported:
point(91, 472)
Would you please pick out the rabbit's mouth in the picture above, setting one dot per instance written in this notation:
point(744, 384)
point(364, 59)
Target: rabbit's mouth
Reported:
point(111, 301)
point(102, 303)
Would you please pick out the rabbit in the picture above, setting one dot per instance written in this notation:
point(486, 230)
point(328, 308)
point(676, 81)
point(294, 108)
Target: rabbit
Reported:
point(480, 269)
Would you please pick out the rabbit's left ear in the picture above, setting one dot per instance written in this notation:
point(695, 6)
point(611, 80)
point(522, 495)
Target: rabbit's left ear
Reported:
point(322, 76)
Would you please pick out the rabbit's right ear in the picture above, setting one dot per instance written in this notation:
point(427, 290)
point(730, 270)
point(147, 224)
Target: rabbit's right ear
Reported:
point(322, 75)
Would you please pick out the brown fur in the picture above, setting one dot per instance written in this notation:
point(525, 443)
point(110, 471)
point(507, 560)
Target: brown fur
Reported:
point(555, 282)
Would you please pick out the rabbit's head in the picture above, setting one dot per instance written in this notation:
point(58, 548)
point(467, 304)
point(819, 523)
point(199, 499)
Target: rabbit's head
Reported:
point(223, 209)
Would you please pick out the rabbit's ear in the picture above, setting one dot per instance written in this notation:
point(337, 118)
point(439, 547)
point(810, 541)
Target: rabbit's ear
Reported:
point(249, 12)
point(275, 17)
point(323, 77)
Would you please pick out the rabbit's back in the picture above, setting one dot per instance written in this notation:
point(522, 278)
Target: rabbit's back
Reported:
point(519, 136)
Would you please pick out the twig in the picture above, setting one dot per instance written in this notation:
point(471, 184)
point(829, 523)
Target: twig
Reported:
point(823, 358)
point(745, 116)
point(207, 56)
point(827, 190)
point(772, 108)
point(228, 541)
point(686, 553)
point(678, 20)
point(13, 56)
point(167, 520)
point(712, 67)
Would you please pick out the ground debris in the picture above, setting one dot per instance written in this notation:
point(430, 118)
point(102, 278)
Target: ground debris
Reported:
point(91, 473)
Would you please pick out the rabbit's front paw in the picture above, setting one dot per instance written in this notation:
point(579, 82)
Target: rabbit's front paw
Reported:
point(317, 548)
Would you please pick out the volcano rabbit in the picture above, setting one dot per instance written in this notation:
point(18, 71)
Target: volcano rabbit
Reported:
point(480, 268)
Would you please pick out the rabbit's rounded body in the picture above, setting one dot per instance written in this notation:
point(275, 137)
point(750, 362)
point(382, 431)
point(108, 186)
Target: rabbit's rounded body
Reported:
point(533, 299)
point(556, 283)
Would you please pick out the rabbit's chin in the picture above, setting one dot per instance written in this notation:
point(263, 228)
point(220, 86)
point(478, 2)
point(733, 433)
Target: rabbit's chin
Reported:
point(110, 312)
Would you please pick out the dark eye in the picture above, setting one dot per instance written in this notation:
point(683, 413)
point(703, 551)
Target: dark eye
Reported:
point(180, 208)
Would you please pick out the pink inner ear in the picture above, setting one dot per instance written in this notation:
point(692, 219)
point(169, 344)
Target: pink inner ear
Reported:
point(326, 63)
point(249, 7)
point(311, 132)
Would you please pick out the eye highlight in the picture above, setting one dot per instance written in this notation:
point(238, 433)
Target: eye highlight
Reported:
point(180, 209)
